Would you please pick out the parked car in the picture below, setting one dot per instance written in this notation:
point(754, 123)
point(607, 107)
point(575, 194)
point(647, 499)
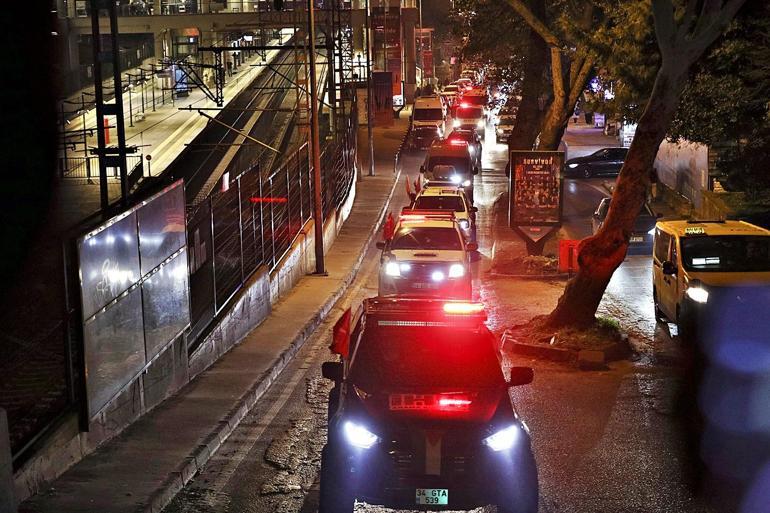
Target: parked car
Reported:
point(604, 162)
point(422, 137)
point(641, 239)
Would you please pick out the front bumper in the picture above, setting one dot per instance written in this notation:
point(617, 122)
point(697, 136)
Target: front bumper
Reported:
point(451, 288)
point(389, 475)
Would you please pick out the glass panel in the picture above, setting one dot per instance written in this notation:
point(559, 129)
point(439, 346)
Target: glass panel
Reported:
point(114, 349)
point(165, 296)
point(161, 228)
point(109, 264)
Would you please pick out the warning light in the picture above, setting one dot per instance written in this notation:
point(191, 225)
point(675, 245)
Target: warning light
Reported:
point(463, 308)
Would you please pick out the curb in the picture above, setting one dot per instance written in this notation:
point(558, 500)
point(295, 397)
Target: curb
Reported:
point(195, 462)
point(544, 277)
point(585, 359)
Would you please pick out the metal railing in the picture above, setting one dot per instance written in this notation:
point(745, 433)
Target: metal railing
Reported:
point(87, 168)
point(253, 220)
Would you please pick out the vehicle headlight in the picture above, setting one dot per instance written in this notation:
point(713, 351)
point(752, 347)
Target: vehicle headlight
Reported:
point(456, 123)
point(503, 439)
point(698, 294)
point(572, 166)
point(358, 436)
point(464, 224)
point(392, 268)
point(467, 183)
point(480, 124)
point(652, 231)
point(456, 270)
point(455, 179)
point(437, 276)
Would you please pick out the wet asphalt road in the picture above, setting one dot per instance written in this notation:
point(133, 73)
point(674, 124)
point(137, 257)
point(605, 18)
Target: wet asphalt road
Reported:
point(608, 441)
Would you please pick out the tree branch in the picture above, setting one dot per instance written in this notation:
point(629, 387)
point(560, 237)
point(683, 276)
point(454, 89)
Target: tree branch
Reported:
point(688, 20)
point(576, 87)
point(536, 23)
point(718, 22)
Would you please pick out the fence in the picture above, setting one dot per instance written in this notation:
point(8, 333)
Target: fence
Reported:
point(253, 220)
point(87, 168)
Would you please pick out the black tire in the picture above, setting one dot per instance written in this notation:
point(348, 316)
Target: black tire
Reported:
point(333, 496)
point(586, 172)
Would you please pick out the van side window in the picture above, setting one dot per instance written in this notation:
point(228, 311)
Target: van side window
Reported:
point(662, 240)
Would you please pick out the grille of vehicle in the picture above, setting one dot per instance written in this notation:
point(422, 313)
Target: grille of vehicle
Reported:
point(408, 457)
point(423, 271)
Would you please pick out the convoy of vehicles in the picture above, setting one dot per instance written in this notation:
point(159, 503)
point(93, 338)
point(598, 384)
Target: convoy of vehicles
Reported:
point(420, 415)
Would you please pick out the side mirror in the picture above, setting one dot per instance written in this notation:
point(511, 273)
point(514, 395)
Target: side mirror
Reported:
point(475, 170)
point(332, 371)
point(422, 169)
point(472, 246)
point(520, 376)
point(474, 209)
point(380, 244)
point(669, 268)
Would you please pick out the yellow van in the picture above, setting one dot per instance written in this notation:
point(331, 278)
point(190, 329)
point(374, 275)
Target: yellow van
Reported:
point(702, 263)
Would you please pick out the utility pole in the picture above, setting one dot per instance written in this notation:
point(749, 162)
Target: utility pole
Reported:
point(318, 221)
point(369, 122)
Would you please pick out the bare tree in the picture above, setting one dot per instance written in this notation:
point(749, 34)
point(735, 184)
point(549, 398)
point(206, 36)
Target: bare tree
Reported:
point(684, 30)
point(571, 63)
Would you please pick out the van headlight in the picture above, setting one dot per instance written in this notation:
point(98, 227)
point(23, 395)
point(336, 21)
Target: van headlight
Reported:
point(652, 231)
point(392, 268)
point(464, 224)
point(456, 123)
point(697, 293)
point(455, 179)
point(467, 183)
point(456, 271)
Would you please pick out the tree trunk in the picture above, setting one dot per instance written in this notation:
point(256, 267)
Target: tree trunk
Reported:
point(529, 117)
point(600, 254)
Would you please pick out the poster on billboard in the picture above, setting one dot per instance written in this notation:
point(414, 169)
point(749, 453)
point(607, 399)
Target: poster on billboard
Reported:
point(535, 193)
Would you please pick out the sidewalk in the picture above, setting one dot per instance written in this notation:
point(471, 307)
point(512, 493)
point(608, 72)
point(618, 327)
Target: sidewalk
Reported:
point(144, 467)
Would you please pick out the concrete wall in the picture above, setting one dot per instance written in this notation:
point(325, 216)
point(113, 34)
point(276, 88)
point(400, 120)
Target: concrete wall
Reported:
point(172, 369)
point(684, 167)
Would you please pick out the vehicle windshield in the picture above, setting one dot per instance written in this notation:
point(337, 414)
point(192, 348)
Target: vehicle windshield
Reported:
point(454, 203)
point(425, 131)
point(423, 357)
point(727, 253)
point(428, 114)
point(460, 165)
point(470, 113)
point(412, 237)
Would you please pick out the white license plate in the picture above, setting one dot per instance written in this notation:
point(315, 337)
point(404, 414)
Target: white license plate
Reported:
point(424, 285)
point(637, 239)
point(438, 496)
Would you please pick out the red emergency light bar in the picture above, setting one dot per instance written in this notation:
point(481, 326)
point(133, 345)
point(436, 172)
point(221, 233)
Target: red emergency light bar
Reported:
point(409, 214)
point(439, 309)
point(254, 199)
